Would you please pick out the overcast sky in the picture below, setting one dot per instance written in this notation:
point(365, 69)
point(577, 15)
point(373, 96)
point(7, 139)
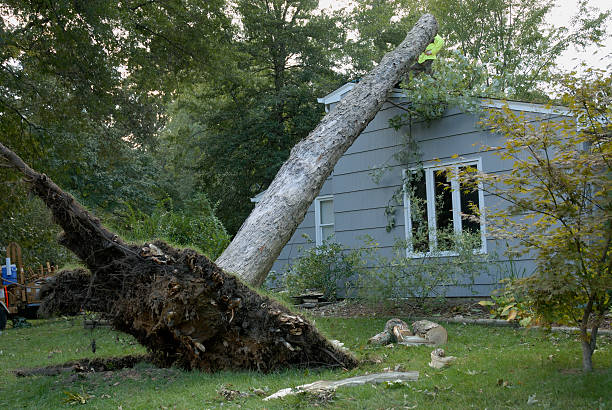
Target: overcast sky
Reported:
point(560, 16)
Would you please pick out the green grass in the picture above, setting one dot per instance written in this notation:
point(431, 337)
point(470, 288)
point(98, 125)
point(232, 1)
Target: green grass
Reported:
point(496, 368)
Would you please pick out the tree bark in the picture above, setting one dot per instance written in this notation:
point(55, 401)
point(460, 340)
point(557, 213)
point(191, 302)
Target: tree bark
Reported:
point(587, 355)
point(177, 303)
point(283, 207)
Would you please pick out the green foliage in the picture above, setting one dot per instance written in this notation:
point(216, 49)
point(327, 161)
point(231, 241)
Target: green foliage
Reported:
point(378, 27)
point(507, 304)
point(195, 226)
point(510, 40)
point(560, 206)
point(27, 221)
point(423, 279)
point(327, 268)
point(240, 128)
point(87, 113)
point(84, 92)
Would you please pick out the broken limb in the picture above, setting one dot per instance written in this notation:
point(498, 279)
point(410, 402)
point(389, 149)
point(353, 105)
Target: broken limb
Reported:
point(375, 378)
point(179, 304)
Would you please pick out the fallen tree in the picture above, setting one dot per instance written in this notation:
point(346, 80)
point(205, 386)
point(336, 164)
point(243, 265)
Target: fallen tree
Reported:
point(282, 208)
point(177, 303)
point(185, 309)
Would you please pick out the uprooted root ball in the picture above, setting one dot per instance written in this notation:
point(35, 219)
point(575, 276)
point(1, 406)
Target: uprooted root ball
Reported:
point(190, 313)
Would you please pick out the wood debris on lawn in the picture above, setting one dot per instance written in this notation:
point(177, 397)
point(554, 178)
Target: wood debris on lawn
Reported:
point(351, 381)
point(424, 332)
point(439, 359)
point(311, 299)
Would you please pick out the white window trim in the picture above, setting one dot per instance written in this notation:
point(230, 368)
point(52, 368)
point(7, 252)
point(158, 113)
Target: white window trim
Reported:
point(431, 218)
point(318, 225)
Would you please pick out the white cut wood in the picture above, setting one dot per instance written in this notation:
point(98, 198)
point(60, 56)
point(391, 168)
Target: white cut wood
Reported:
point(439, 359)
point(415, 341)
point(352, 381)
point(283, 206)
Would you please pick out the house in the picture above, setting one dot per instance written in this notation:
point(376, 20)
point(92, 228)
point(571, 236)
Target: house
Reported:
point(352, 204)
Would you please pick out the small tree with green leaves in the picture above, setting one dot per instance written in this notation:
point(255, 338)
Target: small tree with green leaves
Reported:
point(559, 193)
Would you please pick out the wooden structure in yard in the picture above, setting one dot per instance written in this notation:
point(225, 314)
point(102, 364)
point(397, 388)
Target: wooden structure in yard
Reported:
point(20, 293)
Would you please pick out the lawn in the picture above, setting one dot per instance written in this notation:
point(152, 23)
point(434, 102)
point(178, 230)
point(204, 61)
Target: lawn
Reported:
point(496, 368)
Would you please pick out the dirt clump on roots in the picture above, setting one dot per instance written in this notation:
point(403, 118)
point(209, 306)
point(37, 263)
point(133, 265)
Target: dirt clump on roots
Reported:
point(65, 293)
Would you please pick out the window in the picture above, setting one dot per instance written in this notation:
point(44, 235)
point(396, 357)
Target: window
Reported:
point(438, 204)
point(324, 218)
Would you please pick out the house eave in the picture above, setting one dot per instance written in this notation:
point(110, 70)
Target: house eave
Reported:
point(336, 95)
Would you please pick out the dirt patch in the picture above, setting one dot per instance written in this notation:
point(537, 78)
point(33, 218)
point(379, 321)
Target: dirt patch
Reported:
point(60, 296)
point(354, 308)
point(456, 309)
point(575, 371)
point(96, 365)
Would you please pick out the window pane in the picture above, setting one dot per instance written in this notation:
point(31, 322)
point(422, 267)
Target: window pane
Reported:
point(469, 198)
point(444, 210)
point(418, 211)
point(327, 232)
point(327, 212)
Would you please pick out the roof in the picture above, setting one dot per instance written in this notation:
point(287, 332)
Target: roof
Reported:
point(339, 93)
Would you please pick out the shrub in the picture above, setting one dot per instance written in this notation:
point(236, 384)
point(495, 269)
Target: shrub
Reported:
point(196, 225)
point(426, 280)
point(327, 267)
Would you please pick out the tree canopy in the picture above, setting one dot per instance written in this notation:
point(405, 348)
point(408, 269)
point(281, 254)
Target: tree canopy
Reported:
point(559, 204)
point(128, 104)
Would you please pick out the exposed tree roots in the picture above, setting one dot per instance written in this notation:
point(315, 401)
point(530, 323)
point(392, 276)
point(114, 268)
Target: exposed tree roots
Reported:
point(177, 303)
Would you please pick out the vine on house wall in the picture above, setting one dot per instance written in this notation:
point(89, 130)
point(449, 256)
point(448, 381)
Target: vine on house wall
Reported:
point(455, 82)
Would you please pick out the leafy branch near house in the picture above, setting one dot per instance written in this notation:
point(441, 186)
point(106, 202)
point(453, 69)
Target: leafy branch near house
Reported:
point(559, 204)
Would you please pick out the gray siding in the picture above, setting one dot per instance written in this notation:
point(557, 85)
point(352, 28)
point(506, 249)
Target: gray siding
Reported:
point(359, 202)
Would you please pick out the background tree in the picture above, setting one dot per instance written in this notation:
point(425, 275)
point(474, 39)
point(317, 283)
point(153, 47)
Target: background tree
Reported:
point(560, 206)
point(84, 93)
point(510, 39)
point(378, 27)
point(244, 125)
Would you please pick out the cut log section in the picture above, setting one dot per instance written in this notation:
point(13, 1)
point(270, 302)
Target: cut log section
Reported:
point(177, 303)
point(430, 331)
point(397, 331)
point(439, 359)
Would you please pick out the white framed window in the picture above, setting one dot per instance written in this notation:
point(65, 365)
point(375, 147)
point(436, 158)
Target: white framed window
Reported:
point(438, 204)
point(324, 218)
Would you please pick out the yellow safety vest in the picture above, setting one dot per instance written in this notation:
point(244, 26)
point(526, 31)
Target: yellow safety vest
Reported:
point(434, 48)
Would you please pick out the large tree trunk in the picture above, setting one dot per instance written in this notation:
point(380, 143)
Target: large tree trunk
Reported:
point(283, 207)
point(177, 303)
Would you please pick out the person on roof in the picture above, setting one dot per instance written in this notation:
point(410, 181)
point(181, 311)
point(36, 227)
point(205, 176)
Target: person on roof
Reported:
point(432, 50)
point(426, 58)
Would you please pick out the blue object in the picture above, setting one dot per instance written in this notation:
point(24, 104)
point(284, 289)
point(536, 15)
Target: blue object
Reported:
point(9, 273)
